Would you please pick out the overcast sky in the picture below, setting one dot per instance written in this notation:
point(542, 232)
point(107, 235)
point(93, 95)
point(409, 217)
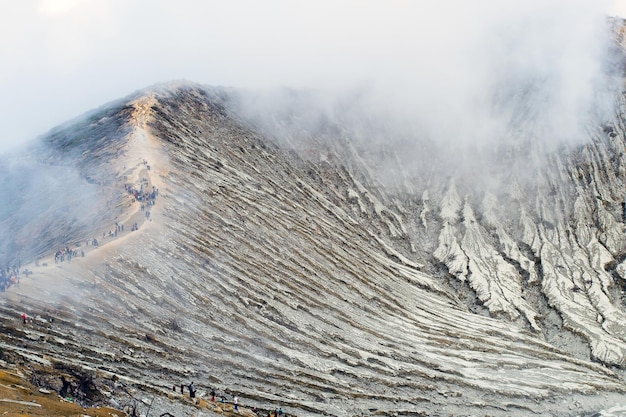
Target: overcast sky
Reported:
point(61, 58)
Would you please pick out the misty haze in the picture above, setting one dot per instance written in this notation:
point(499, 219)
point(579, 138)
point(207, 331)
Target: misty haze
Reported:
point(396, 210)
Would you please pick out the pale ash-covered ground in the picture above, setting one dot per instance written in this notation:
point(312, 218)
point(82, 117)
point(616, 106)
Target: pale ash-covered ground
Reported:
point(287, 275)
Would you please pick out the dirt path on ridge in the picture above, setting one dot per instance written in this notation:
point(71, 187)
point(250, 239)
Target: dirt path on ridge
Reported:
point(144, 164)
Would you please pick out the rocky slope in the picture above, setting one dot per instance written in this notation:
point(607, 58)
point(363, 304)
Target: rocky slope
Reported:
point(309, 267)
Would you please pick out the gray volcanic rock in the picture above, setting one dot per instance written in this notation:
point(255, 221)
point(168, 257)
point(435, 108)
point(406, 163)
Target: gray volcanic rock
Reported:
point(297, 263)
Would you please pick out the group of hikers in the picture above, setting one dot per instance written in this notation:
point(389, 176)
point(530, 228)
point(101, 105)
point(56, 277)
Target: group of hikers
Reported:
point(192, 394)
point(10, 276)
point(66, 254)
point(146, 198)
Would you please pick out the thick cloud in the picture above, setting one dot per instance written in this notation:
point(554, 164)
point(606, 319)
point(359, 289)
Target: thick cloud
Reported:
point(429, 61)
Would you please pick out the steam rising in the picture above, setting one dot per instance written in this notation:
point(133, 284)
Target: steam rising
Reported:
point(465, 74)
point(457, 71)
point(465, 82)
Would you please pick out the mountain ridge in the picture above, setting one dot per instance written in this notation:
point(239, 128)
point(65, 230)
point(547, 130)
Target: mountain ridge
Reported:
point(288, 274)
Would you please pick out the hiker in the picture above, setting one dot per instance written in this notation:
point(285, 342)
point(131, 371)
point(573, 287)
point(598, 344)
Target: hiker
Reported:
point(192, 391)
point(65, 388)
point(236, 403)
point(182, 389)
point(24, 318)
point(213, 395)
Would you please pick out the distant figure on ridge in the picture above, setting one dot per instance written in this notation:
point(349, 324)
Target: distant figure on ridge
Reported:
point(65, 388)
